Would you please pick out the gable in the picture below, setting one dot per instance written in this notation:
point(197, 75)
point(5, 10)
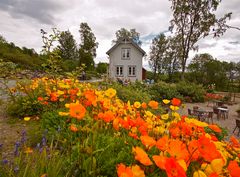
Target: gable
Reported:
point(126, 41)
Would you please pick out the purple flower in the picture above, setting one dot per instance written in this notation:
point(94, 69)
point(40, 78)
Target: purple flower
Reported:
point(16, 169)
point(24, 137)
point(16, 151)
point(4, 161)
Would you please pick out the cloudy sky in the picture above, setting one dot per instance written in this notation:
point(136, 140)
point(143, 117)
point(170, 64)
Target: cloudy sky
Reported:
point(21, 21)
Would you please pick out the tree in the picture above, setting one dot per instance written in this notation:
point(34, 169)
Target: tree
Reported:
point(88, 46)
point(67, 46)
point(2, 39)
point(132, 34)
point(206, 70)
point(156, 55)
point(163, 57)
point(102, 68)
point(193, 20)
point(171, 60)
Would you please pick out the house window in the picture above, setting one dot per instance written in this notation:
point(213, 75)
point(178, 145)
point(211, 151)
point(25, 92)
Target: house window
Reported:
point(131, 70)
point(126, 53)
point(119, 70)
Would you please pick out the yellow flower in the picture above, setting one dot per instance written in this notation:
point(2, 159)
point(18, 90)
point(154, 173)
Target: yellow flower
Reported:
point(67, 105)
point(27, 118)
point(217, 165)
point(176, 115)
point(148, 114)
point(63, 113)
point(60, 92)
point(164, 116)
point(207, 168)
point(137, 104)
point(110, 92)
point(199, 173)
point(174, 108)
point(183, 164)
point(165, 101)
point(196, 122)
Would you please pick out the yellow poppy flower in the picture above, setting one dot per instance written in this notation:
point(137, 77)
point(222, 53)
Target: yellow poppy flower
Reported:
point(137, 104)
point(27, 118)
point(166, 101)
point(164, 116)
point(174, 108)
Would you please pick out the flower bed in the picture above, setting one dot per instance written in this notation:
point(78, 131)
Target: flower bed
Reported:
point(104, 136)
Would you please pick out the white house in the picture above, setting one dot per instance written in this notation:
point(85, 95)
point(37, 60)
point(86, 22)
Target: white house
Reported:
point(126, 60)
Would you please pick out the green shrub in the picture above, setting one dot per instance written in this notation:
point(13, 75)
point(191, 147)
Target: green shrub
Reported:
point(132, 93)
point(53, 122)
point(162, 90)
point(69, 65)
point(24, 106)
point(191, 92)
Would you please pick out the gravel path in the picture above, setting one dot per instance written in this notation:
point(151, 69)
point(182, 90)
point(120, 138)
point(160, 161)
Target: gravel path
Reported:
point(229, 123)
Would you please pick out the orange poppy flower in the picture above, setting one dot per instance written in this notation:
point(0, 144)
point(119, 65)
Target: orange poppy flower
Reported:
point(77, 111)
point(116, 124)
point(153, 104)
point(208, 149)
point(90, 95)
point(137, 171)
point(176, 102)
point(173, 168)
point(40, 99)
point(215, 128)
point(213, 175)
point(141, 156)
point(108, 116)
point(234, 141)
point(144, 105)
point(233, 169)
point(160, 161)
point(148, 141)
point(177, 149)
point(73, 128)
point(193, 149)
point(124, 171)
point(54, 96)
point(162, 143)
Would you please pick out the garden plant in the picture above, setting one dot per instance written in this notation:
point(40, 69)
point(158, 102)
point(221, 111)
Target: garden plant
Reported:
point(89, 131)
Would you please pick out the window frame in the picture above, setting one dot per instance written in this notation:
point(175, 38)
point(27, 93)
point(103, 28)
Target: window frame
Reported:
point(132, 68)
point(118, 71)
point(125, 52)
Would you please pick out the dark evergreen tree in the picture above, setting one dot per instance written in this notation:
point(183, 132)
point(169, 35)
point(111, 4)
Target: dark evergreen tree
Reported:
point(67, 46)
point(88, 46)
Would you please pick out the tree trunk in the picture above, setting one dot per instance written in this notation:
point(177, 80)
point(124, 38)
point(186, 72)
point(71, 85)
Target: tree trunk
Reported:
point(183, 72)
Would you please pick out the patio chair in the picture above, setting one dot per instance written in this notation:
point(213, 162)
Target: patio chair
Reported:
point(195, 110)
point(190, 112)
point(216, 111)
point(237, 126)
point(209, 116)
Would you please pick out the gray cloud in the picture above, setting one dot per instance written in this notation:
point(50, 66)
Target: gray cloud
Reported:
point(105, 17)
point(40, 10)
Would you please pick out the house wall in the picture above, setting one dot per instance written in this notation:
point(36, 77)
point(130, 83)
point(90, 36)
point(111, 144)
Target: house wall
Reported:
point(116, 60)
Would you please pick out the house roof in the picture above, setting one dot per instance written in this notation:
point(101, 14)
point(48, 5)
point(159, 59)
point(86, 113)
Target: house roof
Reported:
point(126, 40)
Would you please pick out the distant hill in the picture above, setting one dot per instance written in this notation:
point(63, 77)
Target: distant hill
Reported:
point(23, 57)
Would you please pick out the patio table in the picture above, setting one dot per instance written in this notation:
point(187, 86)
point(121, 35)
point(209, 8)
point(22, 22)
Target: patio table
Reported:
point(223, 113)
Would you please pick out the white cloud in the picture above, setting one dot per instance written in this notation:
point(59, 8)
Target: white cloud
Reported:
point(21, 22)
